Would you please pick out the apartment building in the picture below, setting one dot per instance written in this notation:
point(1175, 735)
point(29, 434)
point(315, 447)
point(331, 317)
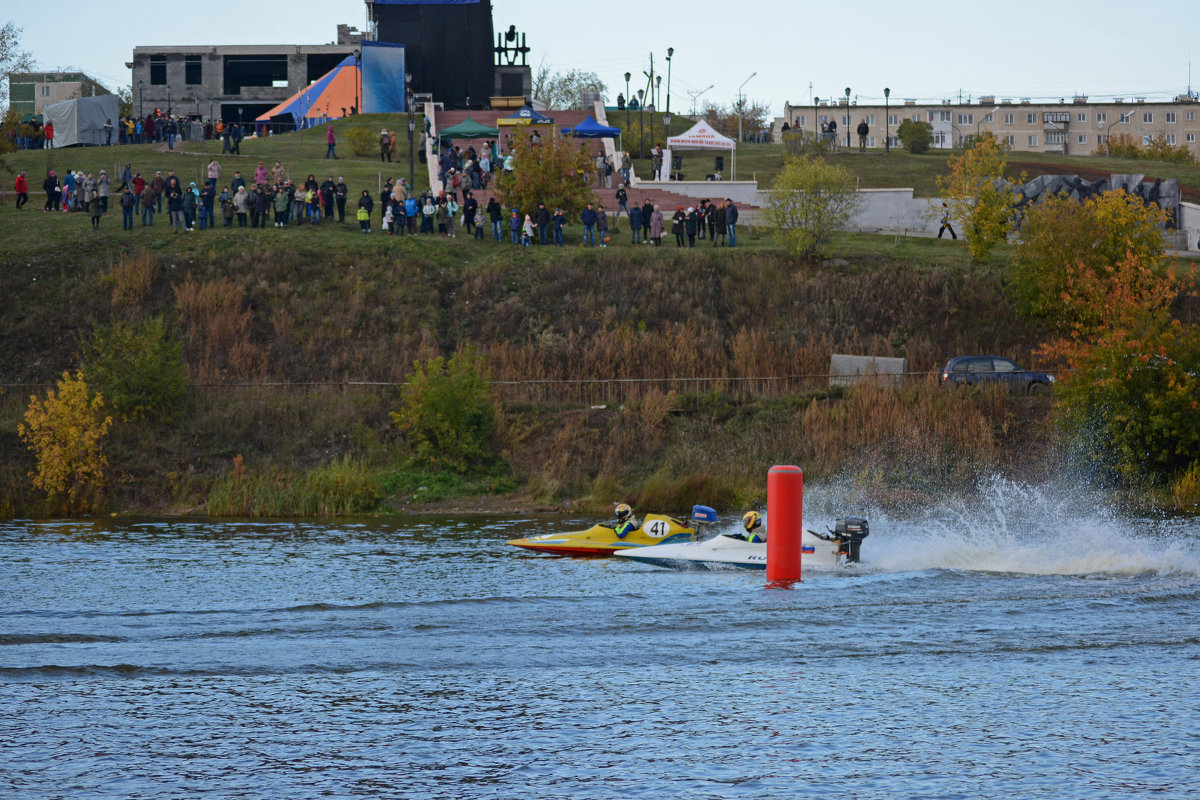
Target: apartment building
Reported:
point(30, 92)
point(1074, 127)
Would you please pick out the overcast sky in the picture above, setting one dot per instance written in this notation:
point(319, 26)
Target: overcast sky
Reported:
point(925, 51)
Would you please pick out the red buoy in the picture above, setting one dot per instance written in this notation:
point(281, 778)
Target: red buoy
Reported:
point(785, 522)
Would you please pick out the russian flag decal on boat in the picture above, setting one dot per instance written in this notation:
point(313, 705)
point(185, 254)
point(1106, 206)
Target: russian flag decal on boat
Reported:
point(808, 549)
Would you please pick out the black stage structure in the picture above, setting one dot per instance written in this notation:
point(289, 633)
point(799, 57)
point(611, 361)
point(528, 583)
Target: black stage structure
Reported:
point(448, 46)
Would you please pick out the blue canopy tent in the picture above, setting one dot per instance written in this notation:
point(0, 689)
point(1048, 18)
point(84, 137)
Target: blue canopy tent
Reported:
point(590, 129)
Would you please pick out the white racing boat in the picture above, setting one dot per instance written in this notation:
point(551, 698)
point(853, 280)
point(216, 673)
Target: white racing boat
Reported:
point(821, 551)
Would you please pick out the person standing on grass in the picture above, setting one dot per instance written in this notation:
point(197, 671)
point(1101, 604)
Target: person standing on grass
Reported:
point(588, 218)
point(175, 211)
point(863, 129)
point(602, 225)
point(514, 227)
point(385, 146)
point(204, 208)
point(260, 174)
point(241, 205)
point(622, 201)
point(50, 187)
point(158, 186)
point(189, 206)
point(328, 190)
point(147, 200)
point(470, 210)
point(330, 141)
point(282, 202)
point(365, 206)
point(22, 188)
point(96, 208)
point(340, 192)
point(635, 223)
point(647, 213)
point(657, 224)
point(690, 225)
point(677, 226)
point(127, 203)
point(718, 218)
point(495, 214)
point(277, 175)
point(731, 218)
point(541, 221)
point(558, 221)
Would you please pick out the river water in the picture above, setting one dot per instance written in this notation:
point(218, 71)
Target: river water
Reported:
point(1024, 647)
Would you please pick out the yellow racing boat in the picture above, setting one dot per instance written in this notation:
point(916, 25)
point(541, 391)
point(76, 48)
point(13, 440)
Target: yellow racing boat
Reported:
point(602, 540)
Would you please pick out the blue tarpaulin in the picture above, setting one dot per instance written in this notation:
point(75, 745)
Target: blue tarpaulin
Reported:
point(383, 78)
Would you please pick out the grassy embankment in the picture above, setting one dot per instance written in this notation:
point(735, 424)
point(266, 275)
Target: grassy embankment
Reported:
point(325, 310)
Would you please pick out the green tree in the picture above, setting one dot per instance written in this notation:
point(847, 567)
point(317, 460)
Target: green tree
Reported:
point(549, 172)
point(12, 59)
point(1096, 234)
point(565, 90)
point(139, 367)
point(977, 194)
point(916, 136)
point(447, 412)
point(65, 432)
point(810, 199)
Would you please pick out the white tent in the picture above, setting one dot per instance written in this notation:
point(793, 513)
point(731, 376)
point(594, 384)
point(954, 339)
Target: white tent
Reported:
point(81, 121)
point(700, 136)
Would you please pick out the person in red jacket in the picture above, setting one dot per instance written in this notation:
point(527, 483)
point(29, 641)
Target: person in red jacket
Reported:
point(48, 132)
point(22, 186)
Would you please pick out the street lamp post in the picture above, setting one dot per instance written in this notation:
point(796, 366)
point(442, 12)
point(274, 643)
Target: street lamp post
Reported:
point(642, 122)
point(667, 134)
point(1122, 117)
point(627, 99)
point(887, 121)
point(741, 102)
point(670, 52)
point(847, 117)
point(657, 91)
point(412, 125)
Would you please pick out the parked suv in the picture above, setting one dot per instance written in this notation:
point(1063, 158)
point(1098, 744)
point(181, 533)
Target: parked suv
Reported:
point(972, 370)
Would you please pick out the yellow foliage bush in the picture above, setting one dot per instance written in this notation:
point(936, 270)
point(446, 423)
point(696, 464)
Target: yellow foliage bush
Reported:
point(65, 432)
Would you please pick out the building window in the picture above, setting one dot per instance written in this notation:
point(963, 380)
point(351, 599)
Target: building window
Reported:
point(1082, 116)
point(45, 91)
point(966, 119)
point(800, 123)
point(1083, 138)
point(1033, 140)
point(1170, 138)
point(1055, 137)
point(1190, 116)
point(1125, 116)
point(1191, 137)
point(893, 120)
point(193, 70)
point(1170, 117)
point(1099, 139)
point(1012, 140)
point(917, 118)
point(1101, 116)
point(158, 70)
point(1008, 119)
point(1147, 116)
point(1031, 119)
point(870, 141)
point(944, 116)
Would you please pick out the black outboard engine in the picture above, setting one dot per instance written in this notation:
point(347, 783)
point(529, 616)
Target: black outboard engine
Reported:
point(849, 533)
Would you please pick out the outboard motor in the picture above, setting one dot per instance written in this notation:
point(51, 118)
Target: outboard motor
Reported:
point(701, 516)
point(849, 533)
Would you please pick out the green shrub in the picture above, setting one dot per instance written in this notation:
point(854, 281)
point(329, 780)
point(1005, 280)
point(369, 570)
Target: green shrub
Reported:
point(362, 141)
point(916, 136)
point(138, 368)
point(447, 413)
point(810, 200)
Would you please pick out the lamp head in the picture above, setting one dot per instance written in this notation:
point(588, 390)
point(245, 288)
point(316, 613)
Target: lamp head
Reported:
point(847, 93)
point(627, 77)
point(887, 92)
point(670, 52)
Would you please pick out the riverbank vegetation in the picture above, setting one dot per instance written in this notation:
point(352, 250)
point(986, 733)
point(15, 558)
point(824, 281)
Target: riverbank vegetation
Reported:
point(306, 371)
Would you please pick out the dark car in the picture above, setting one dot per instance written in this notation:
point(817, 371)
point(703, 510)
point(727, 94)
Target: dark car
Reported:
point(972, 370)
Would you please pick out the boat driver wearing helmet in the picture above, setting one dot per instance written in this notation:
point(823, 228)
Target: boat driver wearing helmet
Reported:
point(626, 522)
point(752, 521)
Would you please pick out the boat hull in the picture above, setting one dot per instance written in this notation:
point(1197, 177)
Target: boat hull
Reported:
point(601, 540)
point(725, 552)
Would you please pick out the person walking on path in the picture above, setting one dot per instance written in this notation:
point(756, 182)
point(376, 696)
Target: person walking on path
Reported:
point(946, 223)
point(331, 141)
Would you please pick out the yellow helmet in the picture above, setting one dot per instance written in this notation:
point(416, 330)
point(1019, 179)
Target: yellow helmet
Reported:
point(752, 520)
point(623, 512)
